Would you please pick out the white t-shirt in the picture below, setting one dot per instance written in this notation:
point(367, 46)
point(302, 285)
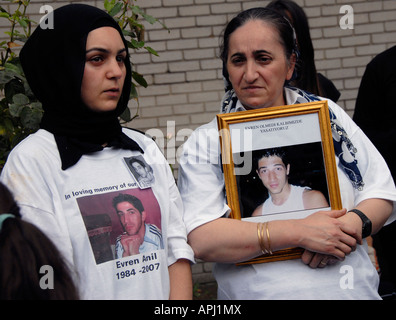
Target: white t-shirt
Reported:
point(201, 183)
point(74, 208)
point(293, 203)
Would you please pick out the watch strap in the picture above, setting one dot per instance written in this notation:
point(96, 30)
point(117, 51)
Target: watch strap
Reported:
point(367, 225)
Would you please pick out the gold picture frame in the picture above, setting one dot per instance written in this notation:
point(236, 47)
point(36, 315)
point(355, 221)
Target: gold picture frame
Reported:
point(304, 131)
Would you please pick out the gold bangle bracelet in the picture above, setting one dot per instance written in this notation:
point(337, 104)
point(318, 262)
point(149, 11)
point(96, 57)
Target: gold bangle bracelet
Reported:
point(264, 249)
point(268, 238)
point(260, 235)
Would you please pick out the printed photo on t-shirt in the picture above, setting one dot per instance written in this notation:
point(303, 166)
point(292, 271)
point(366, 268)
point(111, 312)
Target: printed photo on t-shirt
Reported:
point(122, 223)
point(141, 171)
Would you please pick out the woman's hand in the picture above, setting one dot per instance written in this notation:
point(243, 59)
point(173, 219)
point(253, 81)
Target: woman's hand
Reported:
point(318, 260)
point(326, 238)
point(377, 210)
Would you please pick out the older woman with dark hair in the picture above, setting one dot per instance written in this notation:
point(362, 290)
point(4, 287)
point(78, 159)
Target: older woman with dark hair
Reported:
point(259, 57)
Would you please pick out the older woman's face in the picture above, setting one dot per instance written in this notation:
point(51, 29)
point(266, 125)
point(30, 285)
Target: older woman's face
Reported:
point(257, 65)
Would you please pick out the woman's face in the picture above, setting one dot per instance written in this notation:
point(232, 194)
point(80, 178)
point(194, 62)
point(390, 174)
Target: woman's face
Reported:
point(257, 65)
point(105, 71)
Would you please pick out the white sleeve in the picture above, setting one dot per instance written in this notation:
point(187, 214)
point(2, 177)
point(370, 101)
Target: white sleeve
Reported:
point(378, 182)
point(201, 180)
point(29, 173)
point(178, 248)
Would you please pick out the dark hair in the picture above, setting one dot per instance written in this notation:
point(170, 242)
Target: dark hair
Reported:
point(280, 23)
point(123, 197)
point(24, 249)
point(133, 160)
point(307, 78)
point(278, 152)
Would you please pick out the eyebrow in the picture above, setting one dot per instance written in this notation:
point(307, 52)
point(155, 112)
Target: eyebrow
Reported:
point(256, 52)
point(275, 165)
point(261, 51)
point(104, 50)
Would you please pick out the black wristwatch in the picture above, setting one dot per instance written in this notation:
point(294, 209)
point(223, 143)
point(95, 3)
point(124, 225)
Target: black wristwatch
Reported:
point(367, 226)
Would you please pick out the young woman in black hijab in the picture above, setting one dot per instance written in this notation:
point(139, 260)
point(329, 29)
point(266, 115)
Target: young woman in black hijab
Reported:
point(53, 61)
point(66, 175)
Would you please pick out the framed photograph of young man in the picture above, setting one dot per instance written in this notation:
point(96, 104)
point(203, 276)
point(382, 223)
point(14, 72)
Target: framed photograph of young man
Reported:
point(279, 164)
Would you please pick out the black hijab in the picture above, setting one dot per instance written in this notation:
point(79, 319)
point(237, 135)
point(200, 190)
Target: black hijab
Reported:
point(53, 61)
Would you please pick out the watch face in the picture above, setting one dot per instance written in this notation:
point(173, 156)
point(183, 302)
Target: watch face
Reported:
point(366, 228)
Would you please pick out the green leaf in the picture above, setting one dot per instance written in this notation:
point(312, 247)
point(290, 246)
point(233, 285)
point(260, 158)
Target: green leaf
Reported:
point(15, 109)
point(108, 5)
point(148, 18)
point(116, 9)
point(20, 99)
point(152, 51)
point(12, 67)
point(136, 44)
point(23, 23)
point(139, 79)
point(126, 115)
point(133, 94)
point(37, 106)
point(30, 118)
point(12, 88)
point(5, 76)
point(128, 33)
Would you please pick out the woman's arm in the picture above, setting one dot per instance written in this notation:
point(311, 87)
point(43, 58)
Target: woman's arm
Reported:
point(230, 240)
point(180, 280)
point(377, 210)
